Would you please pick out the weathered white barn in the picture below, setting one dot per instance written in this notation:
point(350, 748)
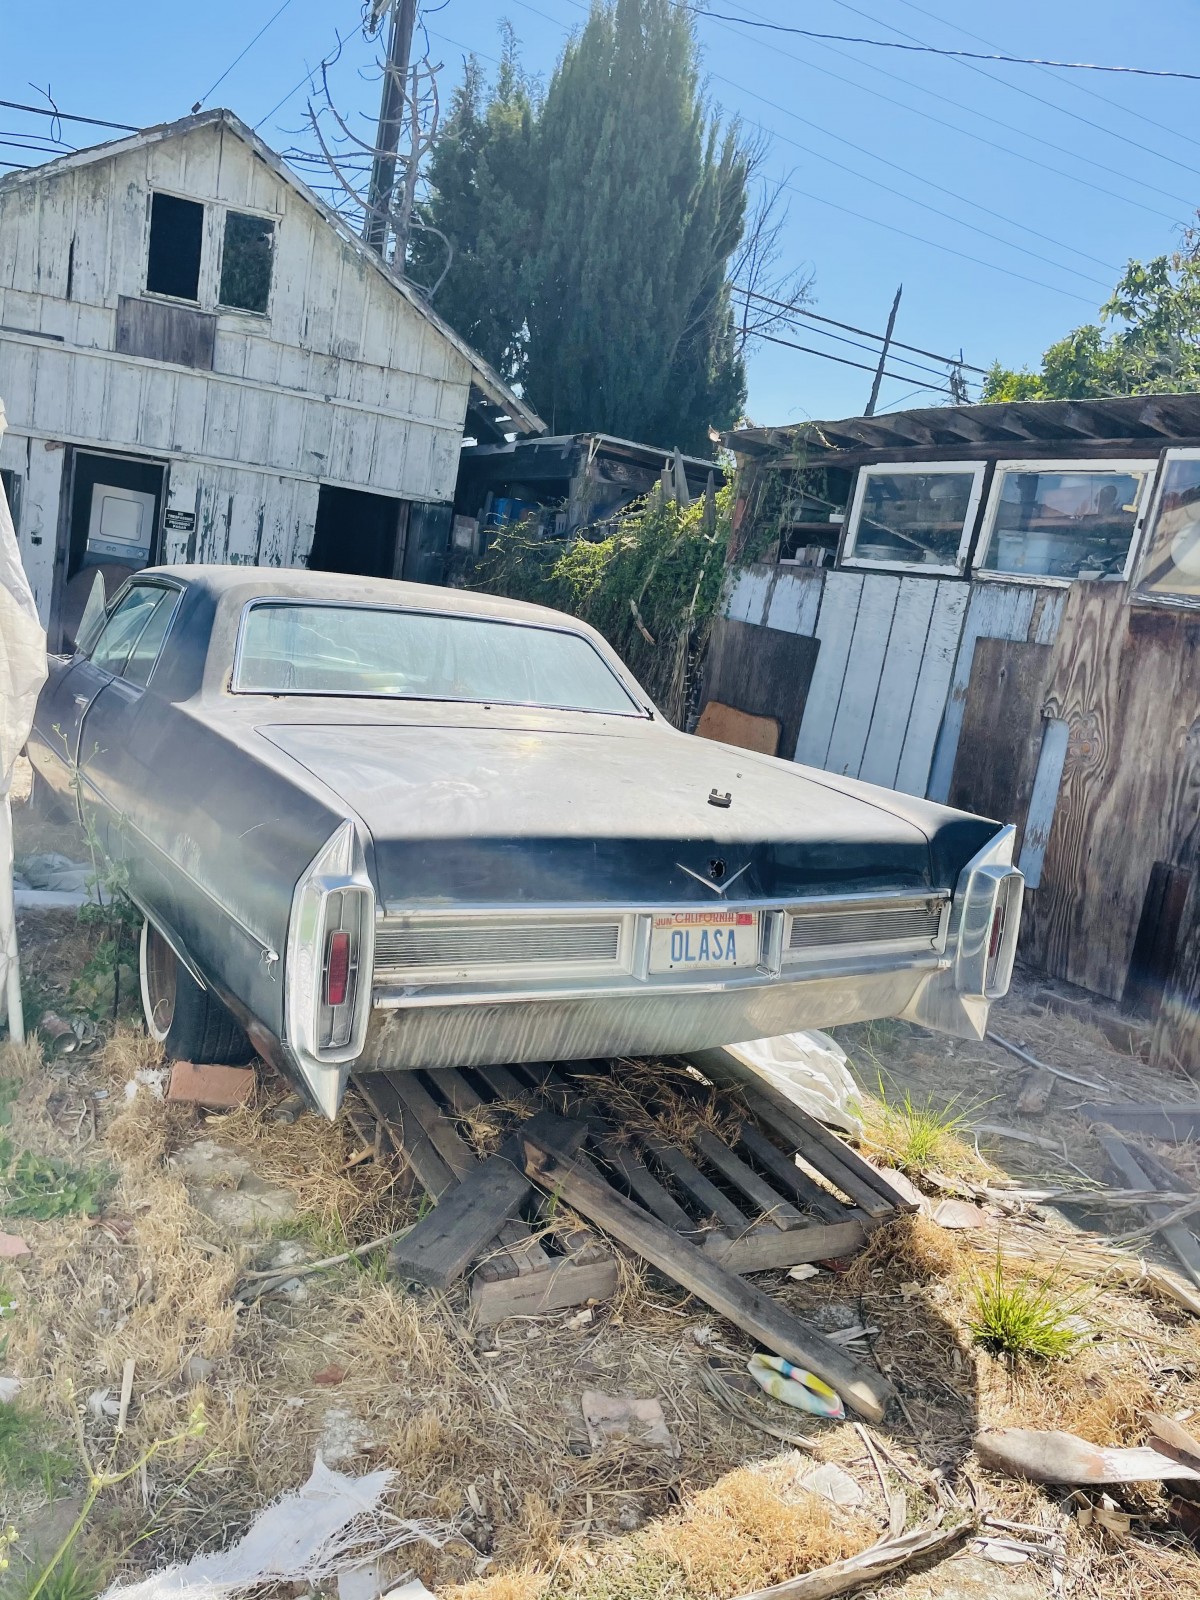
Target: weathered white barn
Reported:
point(200, 361)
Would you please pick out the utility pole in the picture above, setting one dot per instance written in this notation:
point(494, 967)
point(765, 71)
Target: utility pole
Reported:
point(883, 355)
point(391, 115)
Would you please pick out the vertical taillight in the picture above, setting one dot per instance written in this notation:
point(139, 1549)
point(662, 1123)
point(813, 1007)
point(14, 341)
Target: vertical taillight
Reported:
point(337, 968)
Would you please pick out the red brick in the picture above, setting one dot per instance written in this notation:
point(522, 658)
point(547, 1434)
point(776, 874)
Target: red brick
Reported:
point(217, 1088)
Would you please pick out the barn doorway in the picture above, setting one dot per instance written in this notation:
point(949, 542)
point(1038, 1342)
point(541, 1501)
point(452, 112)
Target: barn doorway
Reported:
point(114, 521)
point(358, 533)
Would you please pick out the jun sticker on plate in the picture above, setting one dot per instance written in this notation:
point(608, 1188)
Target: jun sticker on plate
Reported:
point(704, 941)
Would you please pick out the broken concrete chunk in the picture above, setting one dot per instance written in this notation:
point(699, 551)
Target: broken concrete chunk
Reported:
point(832, 1484)
point(226, 1188)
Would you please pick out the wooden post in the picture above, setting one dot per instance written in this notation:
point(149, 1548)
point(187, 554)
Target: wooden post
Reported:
point(883, 354)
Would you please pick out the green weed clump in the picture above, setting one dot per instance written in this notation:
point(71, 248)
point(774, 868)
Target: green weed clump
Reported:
point(917, 1135)
point(43, 1187)
point(1022, 1318)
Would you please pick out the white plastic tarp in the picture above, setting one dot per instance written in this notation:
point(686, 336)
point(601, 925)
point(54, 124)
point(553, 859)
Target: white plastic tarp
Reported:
point(810, 1068)
point(22, 673)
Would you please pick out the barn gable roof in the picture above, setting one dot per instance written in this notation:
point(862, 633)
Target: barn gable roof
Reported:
point(502, 401)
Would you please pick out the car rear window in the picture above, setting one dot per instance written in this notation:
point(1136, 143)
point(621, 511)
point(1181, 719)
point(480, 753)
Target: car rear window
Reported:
point(421, 655)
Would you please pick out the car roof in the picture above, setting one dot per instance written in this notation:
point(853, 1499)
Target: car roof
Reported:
point(242, 584)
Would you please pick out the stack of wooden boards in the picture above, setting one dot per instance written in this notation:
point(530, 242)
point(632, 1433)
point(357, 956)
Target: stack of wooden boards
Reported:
point(703, 1184)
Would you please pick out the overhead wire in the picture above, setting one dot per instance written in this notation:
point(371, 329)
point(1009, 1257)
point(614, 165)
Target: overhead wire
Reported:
point(857, 344)
point(274, 17)
point(845, 361)
point(956, 127)
point(67, 116)
point(925, 205)
point(1074, 83)
point(897, 344)
point(936, 50)
point(1016, 88)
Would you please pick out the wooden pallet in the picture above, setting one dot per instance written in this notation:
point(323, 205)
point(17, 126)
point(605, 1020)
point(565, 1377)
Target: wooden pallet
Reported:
point(744, 1200)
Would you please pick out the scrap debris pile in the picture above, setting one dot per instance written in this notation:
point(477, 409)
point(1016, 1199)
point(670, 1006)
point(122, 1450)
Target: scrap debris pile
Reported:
point(595, 1330)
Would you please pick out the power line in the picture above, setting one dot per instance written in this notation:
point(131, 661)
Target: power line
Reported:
point(1082, 88)
point(969, 133)
point(1039, 98)
point(934, 50)
point(1060, 244)
point(827, 355)
point(897, 344)
point(66, 116)
point(272, 18)
point(937, 211)
point(857, 344)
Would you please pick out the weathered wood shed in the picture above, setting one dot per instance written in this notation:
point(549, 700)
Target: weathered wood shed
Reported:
point(999, 607)
point(200, 361)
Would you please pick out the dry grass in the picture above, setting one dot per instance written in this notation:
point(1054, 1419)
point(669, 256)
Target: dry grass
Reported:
point(484, 1429)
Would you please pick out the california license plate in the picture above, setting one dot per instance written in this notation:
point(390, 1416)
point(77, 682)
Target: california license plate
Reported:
point(704, 941)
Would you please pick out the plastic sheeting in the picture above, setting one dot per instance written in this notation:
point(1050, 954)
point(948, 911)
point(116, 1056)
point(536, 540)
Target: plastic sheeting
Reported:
point(333, 1523)
point(22, 673)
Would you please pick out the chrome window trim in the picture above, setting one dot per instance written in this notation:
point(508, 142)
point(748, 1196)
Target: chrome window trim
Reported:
point(640, 708)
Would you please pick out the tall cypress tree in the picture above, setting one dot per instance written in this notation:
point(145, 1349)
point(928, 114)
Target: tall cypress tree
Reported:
point(479, 179)
point(599, 273)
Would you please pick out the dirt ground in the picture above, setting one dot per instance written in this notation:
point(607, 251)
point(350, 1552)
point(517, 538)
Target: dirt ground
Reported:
point(147, 1219)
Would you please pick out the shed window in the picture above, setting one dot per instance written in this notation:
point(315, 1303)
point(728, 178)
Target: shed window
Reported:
point(914, 515)
point(246, 261)
point(1171, 566)
point(1063, 519)
point(176, 231)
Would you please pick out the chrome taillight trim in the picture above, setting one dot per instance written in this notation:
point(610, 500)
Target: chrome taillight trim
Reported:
point(988, 884)
point(914, 924)
point(336, 881)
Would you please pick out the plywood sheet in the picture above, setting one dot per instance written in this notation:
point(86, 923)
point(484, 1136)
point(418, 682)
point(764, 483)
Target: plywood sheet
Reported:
point(727, 725)
point(763, 671)
point(1001, 736)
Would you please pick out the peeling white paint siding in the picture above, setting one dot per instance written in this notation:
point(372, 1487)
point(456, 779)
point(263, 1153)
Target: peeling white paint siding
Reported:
point(343, 380)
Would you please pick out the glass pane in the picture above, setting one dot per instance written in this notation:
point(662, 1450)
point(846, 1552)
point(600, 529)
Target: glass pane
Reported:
point(124, 627)
point(246, 261)
point(149, 642)
point(913, 517)
point(1172, 564)
point(1072, 524)
point(421, 656)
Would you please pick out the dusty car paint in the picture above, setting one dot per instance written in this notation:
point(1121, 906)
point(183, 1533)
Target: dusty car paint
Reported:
point(550, 824)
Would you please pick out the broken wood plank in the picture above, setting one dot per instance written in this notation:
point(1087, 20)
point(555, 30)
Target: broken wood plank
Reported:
point(645, 1186)
point(1160, 1120)
point(443, 1243)
point(869, 1566)
point(503, 1082)
point(764, 1249)
point(1181, 1239)
point(757, 1190)
point(419, 1107)
point(563, 1282)
point(698, 1188)
point(459, 1093)
point(784, 1170)
point(748, 1308)
point(408, 1138)
point(873, 1194)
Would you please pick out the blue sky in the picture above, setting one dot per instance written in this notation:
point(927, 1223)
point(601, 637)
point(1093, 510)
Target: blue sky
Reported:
point(1005, 198)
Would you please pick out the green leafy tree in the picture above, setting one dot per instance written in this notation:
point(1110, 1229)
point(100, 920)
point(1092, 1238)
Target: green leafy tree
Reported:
point(478, 216)
point(593, 231)
point(1153, 345)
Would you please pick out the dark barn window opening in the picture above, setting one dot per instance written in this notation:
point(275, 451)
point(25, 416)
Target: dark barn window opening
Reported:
point(176, 231)
point(358, 532)
point(246, 261)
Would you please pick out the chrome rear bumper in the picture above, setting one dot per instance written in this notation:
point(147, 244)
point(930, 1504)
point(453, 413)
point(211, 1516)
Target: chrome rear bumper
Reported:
point(662, 1022)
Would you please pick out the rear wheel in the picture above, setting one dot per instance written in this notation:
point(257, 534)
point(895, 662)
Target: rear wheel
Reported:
point(189, 1022)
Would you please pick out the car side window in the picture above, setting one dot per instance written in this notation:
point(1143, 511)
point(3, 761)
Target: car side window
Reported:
point(147, 647)
point(124, 627)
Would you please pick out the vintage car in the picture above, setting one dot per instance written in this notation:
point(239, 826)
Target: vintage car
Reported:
point(375, 825)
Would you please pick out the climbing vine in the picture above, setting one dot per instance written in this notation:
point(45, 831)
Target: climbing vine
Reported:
point(651, 585)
